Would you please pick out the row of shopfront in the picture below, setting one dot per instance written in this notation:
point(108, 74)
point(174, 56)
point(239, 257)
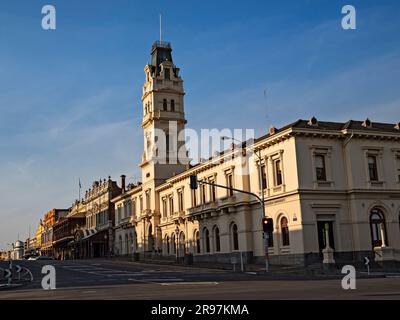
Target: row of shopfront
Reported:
point(73, 242)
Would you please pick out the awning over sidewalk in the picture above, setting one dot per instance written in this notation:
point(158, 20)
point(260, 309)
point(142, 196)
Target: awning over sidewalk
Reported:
point(87, 233)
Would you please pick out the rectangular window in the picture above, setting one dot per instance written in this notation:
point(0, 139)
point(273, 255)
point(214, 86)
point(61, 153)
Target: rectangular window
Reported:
point(171, 205)
point(141, 204)
point(263, 179)
point(372, 168)
point(165, 208)
point(320, 168)
point(278, 172)
point(212, 191)
point(180, 200)
point(203, 193)
point(124, 211)
point(229, 183)
point(148, 205)
point(172, 105)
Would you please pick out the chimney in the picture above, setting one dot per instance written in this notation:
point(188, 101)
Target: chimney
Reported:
point(123, 183)
point(272, 130)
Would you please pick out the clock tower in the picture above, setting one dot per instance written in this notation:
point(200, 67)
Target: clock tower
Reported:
point(164, 121)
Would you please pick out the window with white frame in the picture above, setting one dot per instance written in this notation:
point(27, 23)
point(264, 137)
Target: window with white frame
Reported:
point(320, 167)
point(171, 205)
point(263, 176)
point(141, 204)
point(164, 207)
point(203, 193)
point(213, 194)
point(229, 182)
point(277, 172)
point(372, 168)
point(285, 231)
point(321, 162)
point(180, 200)
point(373, 163)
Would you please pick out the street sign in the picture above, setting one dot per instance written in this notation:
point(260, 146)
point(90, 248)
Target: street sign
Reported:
point(18, 268)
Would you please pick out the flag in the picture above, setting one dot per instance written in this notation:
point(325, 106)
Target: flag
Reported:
point(80, 186)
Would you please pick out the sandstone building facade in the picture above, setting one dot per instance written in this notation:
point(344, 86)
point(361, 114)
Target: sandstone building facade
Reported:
point(325, 184)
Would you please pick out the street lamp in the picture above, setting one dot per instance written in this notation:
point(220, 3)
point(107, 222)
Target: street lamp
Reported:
point(176, 243)
point(260, 176)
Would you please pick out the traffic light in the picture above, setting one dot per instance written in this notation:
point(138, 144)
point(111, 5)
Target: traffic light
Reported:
point(267, 225)
point(193, 182)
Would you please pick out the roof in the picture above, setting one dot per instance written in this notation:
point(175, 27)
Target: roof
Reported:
point(337, 126)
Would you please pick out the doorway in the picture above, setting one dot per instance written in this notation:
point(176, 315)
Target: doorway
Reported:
point(322, 226)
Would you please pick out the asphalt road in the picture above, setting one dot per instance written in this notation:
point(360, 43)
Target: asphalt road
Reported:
point(105, 279)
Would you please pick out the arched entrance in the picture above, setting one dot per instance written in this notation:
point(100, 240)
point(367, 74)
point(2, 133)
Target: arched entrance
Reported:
point(182, 245)
point(150, 238)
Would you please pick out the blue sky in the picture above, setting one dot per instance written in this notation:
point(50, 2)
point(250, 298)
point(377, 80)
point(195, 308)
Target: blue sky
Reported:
point(70, 98)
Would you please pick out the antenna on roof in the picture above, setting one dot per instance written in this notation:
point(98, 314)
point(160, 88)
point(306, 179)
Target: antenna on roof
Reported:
point(160, 29)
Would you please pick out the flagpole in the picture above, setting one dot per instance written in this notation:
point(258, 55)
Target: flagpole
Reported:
point(80, 189)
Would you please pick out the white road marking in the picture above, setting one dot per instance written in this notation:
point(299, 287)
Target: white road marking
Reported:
point(190, 283)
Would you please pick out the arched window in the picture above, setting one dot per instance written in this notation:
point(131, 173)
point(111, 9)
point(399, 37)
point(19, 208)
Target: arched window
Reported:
point(285, 232)
point(197, 237)
point(172, 105)
point(206, 238)
point(217, 240)
point(377, 223)
point(165, 105)
point(235, 237)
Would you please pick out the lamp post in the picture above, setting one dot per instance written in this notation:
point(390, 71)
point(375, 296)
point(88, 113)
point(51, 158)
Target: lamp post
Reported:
point(176, 243)
point(260, 175)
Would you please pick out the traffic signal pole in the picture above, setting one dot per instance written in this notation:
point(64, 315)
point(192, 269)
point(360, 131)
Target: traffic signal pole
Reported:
point(193, 185)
